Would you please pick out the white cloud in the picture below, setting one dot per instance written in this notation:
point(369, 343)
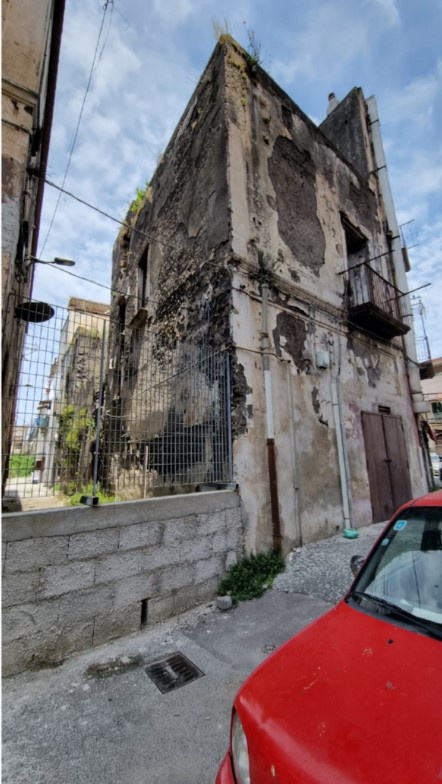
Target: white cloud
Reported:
point(426, 267)
point(414, 102)
point(325, 41)
point(389, 10)
point(333, 38)
point(174, 12)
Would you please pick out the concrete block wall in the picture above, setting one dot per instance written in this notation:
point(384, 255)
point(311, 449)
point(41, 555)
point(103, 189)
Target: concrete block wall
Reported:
point(78, 577)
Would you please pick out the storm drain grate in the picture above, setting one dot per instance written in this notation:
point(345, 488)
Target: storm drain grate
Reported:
point(172, 672)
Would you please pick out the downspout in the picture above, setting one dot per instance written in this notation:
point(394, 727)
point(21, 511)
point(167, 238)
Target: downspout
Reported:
point(298, 520)
point(270, 430)
point(420, 406)
point(340, 440)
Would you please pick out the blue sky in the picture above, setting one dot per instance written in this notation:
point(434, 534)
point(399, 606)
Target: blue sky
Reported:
point(151, 56)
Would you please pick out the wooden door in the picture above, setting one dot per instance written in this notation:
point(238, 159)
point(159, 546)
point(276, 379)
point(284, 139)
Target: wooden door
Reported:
point(387, 463)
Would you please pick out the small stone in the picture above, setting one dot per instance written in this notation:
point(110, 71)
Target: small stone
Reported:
point(224, 602)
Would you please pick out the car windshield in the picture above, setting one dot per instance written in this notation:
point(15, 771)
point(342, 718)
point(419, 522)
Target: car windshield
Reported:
point(404, 572)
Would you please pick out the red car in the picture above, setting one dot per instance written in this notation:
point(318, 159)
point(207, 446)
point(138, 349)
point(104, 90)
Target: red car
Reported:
point(356, 697)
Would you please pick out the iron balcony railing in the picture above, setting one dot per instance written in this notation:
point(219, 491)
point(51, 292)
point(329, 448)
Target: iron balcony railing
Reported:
point(367, 286)
point(373, 303)
point(423, 350)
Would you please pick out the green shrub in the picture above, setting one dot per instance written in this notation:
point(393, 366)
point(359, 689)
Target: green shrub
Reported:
point(21, 465)
point(103, 498)
point(250, 578)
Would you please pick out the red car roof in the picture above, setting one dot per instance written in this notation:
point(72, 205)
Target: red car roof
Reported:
point(432, 499)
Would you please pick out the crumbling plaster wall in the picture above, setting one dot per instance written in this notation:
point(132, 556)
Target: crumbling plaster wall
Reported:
point(346, 127)
point(288, 188)
point(184, 222)
point(368, 375)
point(183, 225)
point(249, 191)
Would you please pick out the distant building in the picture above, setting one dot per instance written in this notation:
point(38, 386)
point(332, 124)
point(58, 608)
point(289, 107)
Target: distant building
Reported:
point(432, 388)
point(31, 35)
point(20, 438)
point(72, 396)
point(265, 235)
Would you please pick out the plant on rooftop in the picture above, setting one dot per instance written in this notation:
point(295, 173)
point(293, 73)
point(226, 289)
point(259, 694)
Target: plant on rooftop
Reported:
point(249, 578)
point(139, 196)
point(219, 28)
point(253, 51)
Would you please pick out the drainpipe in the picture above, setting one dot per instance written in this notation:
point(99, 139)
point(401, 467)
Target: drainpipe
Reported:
point(270, 430)
point(298, 521)
point(419, 405)
point(340, 440)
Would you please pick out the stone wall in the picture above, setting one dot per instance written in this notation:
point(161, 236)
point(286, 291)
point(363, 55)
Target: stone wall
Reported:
point(76, 578)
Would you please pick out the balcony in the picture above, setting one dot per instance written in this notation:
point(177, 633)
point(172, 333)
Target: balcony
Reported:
point(426, 369)
point(374, 304)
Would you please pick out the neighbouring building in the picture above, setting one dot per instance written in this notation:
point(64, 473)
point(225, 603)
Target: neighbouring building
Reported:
point(31, 35)
point(74, 391)
point(432, 389)
point(277, 240)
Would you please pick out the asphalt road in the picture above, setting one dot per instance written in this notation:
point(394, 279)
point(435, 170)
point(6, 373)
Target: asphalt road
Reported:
point(99, 718)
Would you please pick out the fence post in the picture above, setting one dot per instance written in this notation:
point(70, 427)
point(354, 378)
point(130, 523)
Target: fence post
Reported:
point(100, 406)
point(229, 420)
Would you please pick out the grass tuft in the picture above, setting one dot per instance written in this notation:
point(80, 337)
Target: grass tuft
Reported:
point(103, 497)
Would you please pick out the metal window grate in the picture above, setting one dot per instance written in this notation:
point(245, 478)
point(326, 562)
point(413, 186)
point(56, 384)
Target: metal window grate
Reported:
point(172, 672)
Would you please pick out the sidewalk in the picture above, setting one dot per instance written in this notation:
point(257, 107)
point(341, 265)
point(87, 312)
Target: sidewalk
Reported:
point(80, 724)
point(322, 569)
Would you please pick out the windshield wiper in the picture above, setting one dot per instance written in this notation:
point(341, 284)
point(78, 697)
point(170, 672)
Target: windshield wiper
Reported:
point(393, 611)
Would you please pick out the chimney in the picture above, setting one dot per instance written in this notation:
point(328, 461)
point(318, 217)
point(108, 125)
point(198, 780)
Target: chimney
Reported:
point(332, 103)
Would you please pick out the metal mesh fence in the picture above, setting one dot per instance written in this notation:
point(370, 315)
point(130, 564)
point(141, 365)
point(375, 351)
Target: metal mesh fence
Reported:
point(101, 409)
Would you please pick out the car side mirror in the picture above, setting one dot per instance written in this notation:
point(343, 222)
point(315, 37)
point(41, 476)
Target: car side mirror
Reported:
point(356, 563)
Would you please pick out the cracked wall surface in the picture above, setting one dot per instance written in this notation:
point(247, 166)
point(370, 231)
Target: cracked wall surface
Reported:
point(250, 193)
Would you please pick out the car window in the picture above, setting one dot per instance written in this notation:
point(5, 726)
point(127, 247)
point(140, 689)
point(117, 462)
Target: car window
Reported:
point(406, 568)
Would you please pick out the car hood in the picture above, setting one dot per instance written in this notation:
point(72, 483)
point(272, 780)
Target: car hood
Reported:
point(352, 698)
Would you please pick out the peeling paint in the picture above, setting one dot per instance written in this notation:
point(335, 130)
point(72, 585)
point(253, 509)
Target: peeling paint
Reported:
point(367, 361)
point(294, 331)
point(293, 177)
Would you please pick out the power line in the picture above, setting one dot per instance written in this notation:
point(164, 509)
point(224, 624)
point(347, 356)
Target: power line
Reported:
point(110, 288)
point(105, 7)
point(111, 217)
point(160, 242)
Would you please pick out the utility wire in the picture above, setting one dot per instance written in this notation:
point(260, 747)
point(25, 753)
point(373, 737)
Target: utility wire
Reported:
point(111, 217)
point(160, 242)
point(338, 321)
point(110, 288)
point(105, 7)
